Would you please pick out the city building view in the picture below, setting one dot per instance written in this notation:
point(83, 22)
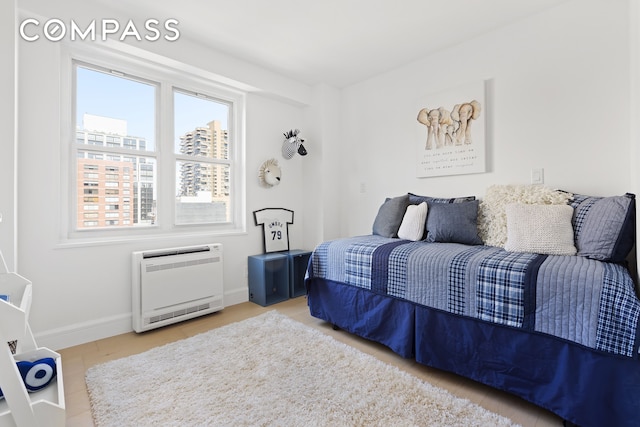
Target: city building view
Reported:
point(203, 188)
point(117, 189)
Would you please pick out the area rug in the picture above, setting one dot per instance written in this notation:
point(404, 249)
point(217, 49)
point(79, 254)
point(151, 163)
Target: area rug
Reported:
point(269, 371)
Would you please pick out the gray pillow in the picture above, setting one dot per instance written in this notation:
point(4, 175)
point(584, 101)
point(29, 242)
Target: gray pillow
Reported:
point(390, 216)
point(453, 223)
point(415, 199)
point(604, 227)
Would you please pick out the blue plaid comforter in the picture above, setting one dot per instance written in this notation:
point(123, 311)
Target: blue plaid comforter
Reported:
point(574, 298)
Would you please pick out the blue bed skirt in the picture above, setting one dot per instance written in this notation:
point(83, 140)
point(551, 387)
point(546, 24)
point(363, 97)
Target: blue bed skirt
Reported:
point(382, 319)
point(581, 385)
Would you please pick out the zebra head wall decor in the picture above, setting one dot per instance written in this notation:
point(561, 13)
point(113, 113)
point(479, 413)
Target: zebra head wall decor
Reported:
point(292, 144)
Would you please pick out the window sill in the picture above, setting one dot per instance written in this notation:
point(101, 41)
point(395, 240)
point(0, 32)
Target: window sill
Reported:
point(156, 236)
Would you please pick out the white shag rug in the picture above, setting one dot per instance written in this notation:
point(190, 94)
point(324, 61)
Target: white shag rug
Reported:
point(269, 371)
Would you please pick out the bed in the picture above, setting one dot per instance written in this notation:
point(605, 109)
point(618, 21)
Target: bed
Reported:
point(559, 330)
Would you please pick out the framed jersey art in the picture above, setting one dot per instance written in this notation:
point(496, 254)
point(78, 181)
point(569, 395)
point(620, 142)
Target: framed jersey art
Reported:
point(275, 223)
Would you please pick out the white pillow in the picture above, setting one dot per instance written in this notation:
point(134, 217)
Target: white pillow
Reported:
point(413, 222)
point(541, 229)
point(492, 218)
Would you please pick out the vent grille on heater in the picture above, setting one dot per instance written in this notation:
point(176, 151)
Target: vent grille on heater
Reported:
point(177, 313)
point(180, 264)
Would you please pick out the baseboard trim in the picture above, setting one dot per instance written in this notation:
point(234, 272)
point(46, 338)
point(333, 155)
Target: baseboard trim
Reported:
point(81, 333)
point(236, 296)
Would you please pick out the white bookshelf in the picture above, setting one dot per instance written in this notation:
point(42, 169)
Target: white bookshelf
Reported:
point(20, 408)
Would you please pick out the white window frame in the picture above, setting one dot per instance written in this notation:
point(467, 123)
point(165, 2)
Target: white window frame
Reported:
point(189, 158)
point(170, 75)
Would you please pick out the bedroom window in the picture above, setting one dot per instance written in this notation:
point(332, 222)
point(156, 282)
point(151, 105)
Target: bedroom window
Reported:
point(152, 151)
point(111, 108)
point(201, 147)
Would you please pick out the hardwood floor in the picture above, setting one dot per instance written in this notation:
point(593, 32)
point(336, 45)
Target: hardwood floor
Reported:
point(77, 359)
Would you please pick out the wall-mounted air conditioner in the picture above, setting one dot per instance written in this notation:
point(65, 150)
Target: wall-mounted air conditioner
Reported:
point(175, 284)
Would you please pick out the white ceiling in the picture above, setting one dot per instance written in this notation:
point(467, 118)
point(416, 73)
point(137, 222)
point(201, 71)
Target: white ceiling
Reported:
point(337, 42)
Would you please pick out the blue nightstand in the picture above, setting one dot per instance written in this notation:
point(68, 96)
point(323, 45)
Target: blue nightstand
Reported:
point(277, 276)
point(298, 261)
point(268, 278)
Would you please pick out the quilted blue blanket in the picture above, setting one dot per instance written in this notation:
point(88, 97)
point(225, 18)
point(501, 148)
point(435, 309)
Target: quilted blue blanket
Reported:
point(589, 302)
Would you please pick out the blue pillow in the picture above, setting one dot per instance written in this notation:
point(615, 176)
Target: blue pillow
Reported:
point(453, 223)
point(604, 227)
point(36, 375)
point(390, 216)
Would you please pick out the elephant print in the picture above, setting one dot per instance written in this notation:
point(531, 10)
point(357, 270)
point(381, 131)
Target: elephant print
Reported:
point(431, 119)
point(463, 114)
point(446, 127)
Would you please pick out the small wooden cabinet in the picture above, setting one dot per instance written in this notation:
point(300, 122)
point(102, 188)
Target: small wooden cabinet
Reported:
point(278, 276)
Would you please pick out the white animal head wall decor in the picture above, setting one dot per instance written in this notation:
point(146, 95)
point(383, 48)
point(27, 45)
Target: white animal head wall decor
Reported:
point(270, 173)
point(292, 144)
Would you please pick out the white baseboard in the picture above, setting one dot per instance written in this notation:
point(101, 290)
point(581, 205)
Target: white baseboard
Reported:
point(80, 333)
point(236, 296)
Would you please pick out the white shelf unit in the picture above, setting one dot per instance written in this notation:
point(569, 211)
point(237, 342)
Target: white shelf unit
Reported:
point(20, 408)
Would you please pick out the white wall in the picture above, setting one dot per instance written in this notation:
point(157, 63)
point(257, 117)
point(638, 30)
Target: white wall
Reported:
point(84, 293)
point(324, 167)
point(634, 110)
point(8, 119)
point(559, 100)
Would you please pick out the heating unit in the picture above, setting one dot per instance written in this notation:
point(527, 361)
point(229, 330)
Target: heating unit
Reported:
point(175, 284)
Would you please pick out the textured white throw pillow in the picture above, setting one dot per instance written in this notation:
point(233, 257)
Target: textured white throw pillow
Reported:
point(542, 229)
point(413, 222)
point(492, 218)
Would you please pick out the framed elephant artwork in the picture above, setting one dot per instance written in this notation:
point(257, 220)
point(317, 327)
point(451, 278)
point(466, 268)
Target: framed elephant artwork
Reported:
point(451, 131)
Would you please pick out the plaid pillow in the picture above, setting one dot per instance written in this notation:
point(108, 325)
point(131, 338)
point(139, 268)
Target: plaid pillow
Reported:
point(414, 199)
point(604, 227)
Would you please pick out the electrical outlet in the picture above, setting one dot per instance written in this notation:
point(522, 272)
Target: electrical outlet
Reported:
point(537, 176)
